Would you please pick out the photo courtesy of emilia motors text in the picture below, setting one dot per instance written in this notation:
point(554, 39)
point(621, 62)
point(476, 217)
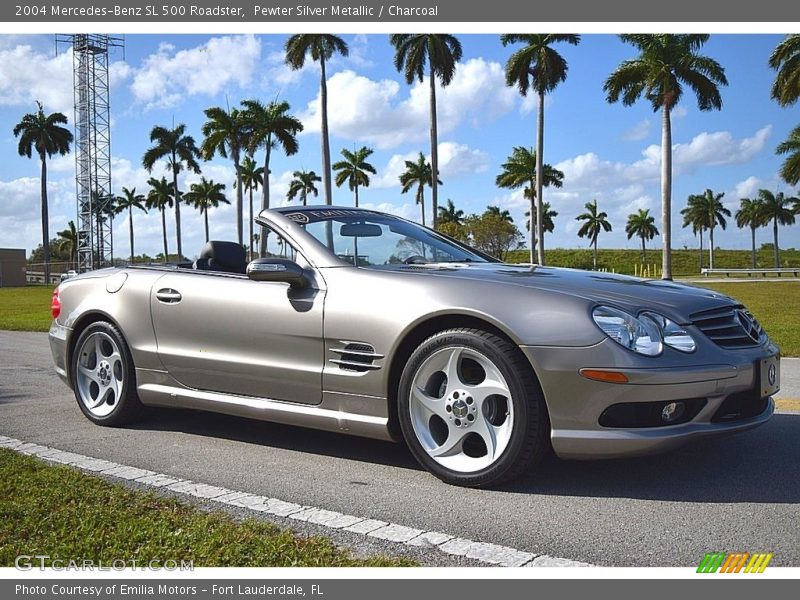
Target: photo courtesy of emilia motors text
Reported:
point(432, 298)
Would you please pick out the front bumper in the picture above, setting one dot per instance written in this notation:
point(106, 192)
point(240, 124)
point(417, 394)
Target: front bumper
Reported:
point(575, 403)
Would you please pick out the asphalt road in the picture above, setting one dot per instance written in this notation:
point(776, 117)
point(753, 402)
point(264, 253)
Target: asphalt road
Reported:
point(739, 493)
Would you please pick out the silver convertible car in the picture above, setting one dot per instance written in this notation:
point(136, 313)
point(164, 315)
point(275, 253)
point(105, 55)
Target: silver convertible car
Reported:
point(364, 323)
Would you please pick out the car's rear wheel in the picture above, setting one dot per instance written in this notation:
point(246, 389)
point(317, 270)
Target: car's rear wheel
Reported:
point(103, 376)
point(471, 410)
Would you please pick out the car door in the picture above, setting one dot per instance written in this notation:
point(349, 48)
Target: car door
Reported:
point(225, 333)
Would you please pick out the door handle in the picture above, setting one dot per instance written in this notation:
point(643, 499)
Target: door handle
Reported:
point(168, 296)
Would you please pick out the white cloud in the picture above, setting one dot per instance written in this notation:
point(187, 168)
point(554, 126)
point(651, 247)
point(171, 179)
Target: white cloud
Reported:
point(375, 112)
point(455, 161)
point(27, 76)
point(167, 76)
point(639, 131)
point(747, 188)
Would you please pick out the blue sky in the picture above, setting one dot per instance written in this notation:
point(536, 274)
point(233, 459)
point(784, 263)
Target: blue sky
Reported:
point(608, 152)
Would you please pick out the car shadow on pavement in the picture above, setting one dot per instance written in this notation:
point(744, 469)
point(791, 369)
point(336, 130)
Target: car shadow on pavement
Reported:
point(756, 466)
point(276, 435)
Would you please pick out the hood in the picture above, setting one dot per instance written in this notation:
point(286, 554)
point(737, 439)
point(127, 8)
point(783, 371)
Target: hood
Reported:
point(675, 300)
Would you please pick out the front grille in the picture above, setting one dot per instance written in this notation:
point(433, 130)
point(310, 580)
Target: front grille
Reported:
point(729, 326)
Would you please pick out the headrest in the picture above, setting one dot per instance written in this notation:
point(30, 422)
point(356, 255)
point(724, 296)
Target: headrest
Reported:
point(228, 256)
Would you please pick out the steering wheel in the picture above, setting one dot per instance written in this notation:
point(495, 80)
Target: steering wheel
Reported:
point(415, 259)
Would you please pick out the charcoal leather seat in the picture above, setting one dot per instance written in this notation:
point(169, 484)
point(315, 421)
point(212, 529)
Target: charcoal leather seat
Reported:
point(226, 257)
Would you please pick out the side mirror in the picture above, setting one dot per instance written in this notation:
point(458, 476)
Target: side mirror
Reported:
point(277, 269)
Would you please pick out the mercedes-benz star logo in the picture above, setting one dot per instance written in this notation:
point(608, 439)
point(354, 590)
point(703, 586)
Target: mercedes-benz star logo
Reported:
point(772, 375)
point(748, 323)
point(460, 409)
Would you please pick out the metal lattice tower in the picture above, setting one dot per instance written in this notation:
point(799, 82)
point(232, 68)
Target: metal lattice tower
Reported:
point(92, 146)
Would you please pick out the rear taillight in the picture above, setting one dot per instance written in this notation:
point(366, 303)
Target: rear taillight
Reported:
point(55, 304)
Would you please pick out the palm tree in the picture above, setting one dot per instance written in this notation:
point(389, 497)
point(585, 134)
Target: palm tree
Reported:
point(539, 67)
point(271, 126)
point(750, 214)
point(697, 216)
point(503, 214)
point(641, 224)
point(303, 184)
point(128, 201)
point(435, 54)
point(785, 59)
point(226, 132)
point(43, 133)
point(418, 173)
point(790, 170)
point(548, 214)
point(775, 208)
point(666, 63)
point(68, 242)
point(252, 177)
point(595, 222)
point(180, 151)
point(450, 214)
point(321, 47)
point(711, 204)
point(354, 169)
point(160, 197)
point(206, 195)
point(519, 171)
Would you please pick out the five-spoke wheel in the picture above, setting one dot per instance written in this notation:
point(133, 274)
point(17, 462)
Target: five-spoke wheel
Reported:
point(470, 409)
point(103, 375)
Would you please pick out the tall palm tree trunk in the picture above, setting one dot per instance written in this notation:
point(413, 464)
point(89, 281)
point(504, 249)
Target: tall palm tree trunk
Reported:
point(775, 238)
point(130, 229)
point(532, 222)
point(701, 249)
point(539, 176)
point(666, 194)
point(326, 148)
point(711, 247)
point(177, 208)
point(434, 146)
point(205, 219)
point(250, 244)
point(753, 243)
point(421, 202)
point(644, 252)
point(305, 197)
point(239, 199)
point(45, 221)
point(594, 254)
point(164, 231)
point(262, 240)
point(355, 191)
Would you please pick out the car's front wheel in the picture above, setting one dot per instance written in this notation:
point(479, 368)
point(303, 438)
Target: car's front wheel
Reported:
point(103, 376)
point(471, 410)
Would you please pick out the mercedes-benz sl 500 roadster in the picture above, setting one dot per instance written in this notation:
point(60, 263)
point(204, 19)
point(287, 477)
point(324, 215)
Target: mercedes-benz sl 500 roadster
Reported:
point(364, 323)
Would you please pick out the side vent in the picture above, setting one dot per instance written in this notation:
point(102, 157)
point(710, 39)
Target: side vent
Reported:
point(356, 356)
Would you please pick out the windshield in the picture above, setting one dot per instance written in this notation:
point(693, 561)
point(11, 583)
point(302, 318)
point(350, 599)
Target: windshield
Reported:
point(378, 239)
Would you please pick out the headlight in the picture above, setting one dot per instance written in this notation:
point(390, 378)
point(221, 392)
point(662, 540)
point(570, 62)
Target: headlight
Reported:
point(640, 335)
point(674, 335)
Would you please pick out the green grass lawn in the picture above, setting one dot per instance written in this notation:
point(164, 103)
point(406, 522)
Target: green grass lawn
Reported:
point(776, 305)
point(63, 513)
point(25, 308)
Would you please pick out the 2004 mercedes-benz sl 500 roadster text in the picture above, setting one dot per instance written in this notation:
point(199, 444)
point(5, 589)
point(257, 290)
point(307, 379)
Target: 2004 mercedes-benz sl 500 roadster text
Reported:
point(361, 322)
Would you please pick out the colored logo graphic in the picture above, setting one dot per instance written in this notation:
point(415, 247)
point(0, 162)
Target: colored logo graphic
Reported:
point(734, 562)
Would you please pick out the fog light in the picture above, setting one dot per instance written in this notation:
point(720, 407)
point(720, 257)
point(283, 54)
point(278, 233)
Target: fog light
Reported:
point(672, 412)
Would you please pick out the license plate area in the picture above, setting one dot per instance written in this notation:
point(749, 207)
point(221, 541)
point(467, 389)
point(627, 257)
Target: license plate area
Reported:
point(770, 375)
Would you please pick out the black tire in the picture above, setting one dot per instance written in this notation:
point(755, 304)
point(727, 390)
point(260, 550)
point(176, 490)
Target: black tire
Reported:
point(127, 408)
point(529, 440)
